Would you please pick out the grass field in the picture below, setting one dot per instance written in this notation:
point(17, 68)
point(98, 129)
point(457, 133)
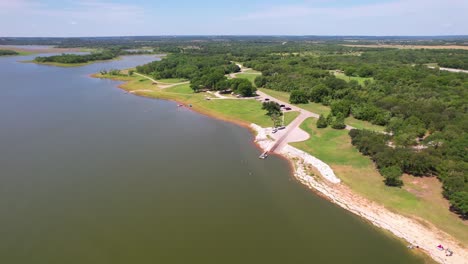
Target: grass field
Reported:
point(325, 110)
point(358, 172)
point(360, 80)
point(249, 76)
point(172, 80)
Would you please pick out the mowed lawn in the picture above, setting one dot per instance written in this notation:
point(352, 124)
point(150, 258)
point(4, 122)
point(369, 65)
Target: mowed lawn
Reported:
point(172, 80)
point(358, 172)
point(249, 76)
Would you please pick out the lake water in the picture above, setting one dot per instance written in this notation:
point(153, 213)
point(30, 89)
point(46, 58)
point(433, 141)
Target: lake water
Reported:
point(90, 174)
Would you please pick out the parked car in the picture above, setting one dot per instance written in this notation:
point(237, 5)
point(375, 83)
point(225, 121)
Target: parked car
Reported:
point(282, 105)
point(281, 127)
point(267, 99)
point(287, 108)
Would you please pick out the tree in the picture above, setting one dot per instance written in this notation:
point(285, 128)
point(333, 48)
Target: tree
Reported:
point(459, 203)
point(338, 123)
point(392, 176)
point(322, 122)
point(340, 107)
point(260, 81)
point(245, 89)
point(273, 111)
point(298, 97)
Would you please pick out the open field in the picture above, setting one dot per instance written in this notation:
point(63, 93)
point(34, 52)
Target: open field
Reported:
point(249, 76)
point(343, 76)
point(325, 110)
point(172, 80)
point(397, 46)
point(418, 199)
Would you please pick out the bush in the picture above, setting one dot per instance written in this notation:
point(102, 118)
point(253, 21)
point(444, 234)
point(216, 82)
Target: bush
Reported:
point(298, 97)
point(338, 123)
point(392, 176)
point(322, 122)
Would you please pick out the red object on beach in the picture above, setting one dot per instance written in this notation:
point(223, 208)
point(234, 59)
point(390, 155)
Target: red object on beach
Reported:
point(440, 247)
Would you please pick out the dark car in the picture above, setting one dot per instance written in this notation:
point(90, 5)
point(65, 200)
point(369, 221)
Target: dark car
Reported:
point(282, 105)
point(267, 99)
point(287, 108)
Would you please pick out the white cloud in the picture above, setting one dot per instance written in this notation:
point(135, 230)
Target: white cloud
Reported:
point(410, 17)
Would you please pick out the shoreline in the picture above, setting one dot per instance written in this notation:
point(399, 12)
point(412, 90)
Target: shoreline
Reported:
point(427, 237)
point(407, 229)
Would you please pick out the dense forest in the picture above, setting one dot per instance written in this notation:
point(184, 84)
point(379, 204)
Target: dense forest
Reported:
point(8, 52)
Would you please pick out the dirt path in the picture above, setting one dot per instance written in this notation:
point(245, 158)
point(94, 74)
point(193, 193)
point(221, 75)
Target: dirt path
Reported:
point(449, 69)
point(160, 84)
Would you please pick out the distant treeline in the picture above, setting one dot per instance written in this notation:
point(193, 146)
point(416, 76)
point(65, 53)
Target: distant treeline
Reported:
point(8, 52)
point(75, 58)
point(107, 54)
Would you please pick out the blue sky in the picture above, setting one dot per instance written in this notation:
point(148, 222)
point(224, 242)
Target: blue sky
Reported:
point(50, 18)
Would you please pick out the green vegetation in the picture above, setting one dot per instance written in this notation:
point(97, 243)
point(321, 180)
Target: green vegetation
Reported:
point(172, 80)
point(77, 59)
point(360, 80)
point(8, 52)
point(289, 117)
point(204, 73)
point(249, 76)
point(357, 171)
point(66, 60)
point(323, 110)
point(274, 112)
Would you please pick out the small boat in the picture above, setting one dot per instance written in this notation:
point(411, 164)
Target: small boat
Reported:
point(264, 155)
point(180, 105)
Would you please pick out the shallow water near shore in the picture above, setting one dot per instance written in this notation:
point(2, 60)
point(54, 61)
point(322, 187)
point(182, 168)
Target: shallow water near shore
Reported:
point(90, 174)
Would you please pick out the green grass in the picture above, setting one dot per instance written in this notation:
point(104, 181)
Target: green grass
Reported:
point(360, 124)
point(289, 117)
point(316, 108)
point(360, 80)
point(283, 96)
point(248, 76)
point(181, 88)
point(251, 71)
point(358, 172)
point(172, 80)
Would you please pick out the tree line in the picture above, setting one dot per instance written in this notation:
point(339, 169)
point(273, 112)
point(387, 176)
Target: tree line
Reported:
point(205, 72)
point(8, 52)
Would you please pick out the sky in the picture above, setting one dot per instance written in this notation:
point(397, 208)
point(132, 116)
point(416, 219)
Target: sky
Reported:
point(65, 18)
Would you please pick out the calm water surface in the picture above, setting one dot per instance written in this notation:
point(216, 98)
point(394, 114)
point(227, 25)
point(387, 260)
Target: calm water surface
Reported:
point(89, 174)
